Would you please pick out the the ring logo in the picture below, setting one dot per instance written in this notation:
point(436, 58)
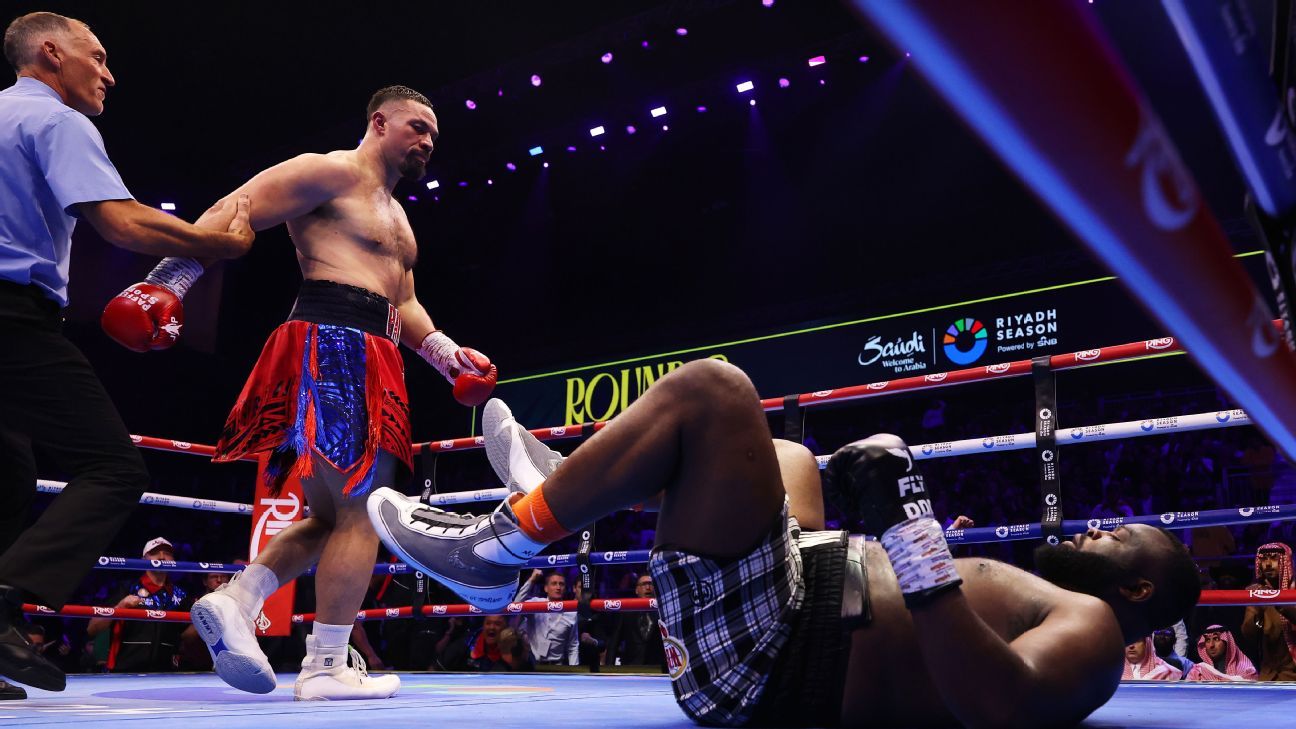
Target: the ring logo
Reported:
point(558, 432)
point(936, 377)
point(1265, 594)
point(998, 369)
point(878, 385)
point(104, 611)
point(299, 618)
point(479, 440)
point(474, 609)
point(438, 609)
point(611, 604)
point(279, 514)
point(1088, 355)
point(137, 439)
point(652, 603)
point(1162, 343)
point(182, 445)
point(156, 614)
point(446, 445)
point(555, 607)
point(1170, 198)
point(514, 607)
point(1001, 532)
point(43, 609)
point(393, 612)
point(821, 393)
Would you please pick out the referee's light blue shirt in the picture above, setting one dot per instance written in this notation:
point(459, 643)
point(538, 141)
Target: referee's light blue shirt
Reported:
point(51, 158)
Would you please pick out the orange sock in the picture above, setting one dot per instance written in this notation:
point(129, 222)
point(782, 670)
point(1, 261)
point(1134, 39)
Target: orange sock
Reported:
point(536, 520)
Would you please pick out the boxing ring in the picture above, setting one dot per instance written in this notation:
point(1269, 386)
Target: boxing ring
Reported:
point(513, 701)
point(1228, 330)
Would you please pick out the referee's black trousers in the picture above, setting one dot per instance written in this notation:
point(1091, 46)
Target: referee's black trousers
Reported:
point(54, 409)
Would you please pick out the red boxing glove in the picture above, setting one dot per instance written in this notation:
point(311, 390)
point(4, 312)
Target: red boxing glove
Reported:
point(470, 371)
point(149, 314)
point(476, 379)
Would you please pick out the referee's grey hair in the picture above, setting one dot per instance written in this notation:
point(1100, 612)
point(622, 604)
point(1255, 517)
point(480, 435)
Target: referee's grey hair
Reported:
point(23, 35)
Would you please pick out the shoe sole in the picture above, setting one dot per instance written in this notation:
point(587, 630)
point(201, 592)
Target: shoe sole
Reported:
point(373, 505)
point(240, 671)
point(497, 449)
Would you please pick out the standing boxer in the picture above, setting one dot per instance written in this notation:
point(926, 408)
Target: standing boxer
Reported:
point(327, 398)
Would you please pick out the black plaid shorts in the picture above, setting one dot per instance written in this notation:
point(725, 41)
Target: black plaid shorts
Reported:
point(730, 629)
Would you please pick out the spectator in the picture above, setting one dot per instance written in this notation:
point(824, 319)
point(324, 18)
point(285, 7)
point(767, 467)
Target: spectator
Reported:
point(1142, 663)
point(1221, 659)
point(483, 650)
point(635, 639)
point(139, 645)
point(1164, 642)
point(514, 651)
point(552, 636)
point(1271, 625)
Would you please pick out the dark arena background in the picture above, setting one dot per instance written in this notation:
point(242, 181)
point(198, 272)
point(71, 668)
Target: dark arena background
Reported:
point(621, 187)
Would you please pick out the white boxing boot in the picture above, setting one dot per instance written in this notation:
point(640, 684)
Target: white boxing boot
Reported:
point(328, 677)
point(224, 625)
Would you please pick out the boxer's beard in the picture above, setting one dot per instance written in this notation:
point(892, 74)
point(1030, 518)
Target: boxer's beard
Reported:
point(412, 169)
point(1070, 569)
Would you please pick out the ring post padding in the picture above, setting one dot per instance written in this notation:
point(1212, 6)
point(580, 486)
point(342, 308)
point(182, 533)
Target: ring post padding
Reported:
point(1046, 450)
point(793, 419)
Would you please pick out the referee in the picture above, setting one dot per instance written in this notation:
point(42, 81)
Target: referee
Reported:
point(53, 171)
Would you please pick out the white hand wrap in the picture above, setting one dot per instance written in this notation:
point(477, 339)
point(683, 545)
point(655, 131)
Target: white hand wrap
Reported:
point(921, 558)
point(176, 274)
point(439, 351)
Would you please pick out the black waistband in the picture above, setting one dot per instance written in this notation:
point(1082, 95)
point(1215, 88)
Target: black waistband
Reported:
point(326, 302)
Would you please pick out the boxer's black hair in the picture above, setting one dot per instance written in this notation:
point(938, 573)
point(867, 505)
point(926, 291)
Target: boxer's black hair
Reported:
point(1178, 588)
point(383, 95)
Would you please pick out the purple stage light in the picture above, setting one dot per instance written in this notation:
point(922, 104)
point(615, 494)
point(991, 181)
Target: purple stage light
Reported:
point(597, 131)
point(767, 3)
point(571, 148)
point(463, 183)
point(822, 82)
point(606, 58)
point(863, 59)
point(752, 102)
point(536, 151)
point(817, 61)
point(644, 44)
point(659, 111)
point(489, 181)
point(546, 165)
point(630, 129)
point(499, 92)
point(745, 86)
point(411, 198)
point(665, 127)
point(701, 109)
point(602, 148)
point(681, 32)
point(535, 79)
point(433, 184)
point(470, 104)
point(510, 167)
point(784, 83)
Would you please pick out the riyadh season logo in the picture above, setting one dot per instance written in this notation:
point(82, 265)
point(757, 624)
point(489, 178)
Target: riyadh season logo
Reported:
point(965, 341)
point(1001, 532)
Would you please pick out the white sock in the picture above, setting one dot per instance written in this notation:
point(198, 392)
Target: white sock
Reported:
point(332, 641)
point(252, 588)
